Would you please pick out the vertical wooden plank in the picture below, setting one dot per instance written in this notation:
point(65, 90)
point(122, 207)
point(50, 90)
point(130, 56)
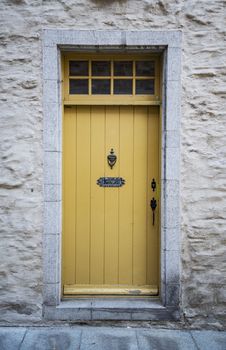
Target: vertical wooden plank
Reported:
point(111, 198)
point(83, 195)
point(126, 196)
point(98, 159)
point(153, 172)
point(69, 194)
point(140, 195)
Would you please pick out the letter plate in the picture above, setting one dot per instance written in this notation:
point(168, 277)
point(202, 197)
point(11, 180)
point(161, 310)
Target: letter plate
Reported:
point(110, 182)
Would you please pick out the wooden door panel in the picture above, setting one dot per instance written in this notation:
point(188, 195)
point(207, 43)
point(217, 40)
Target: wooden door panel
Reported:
point(109, 241)
point(111, 198)
point(97, 196)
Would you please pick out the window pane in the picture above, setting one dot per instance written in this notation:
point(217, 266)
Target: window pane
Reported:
point(101, 86)
point(145, 68)
point(123, 86)
point(78, 86)
point(123, 68)
point(145, 86)
point(101, 68)
point(77, 68)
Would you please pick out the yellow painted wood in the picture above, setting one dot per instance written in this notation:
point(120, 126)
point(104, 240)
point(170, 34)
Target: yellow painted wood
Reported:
point(111, 99)
point(108, 237)
point(82, 254)
point(97, 195)
point(69, 194)
point(111, 198)
point(110, 290)
point(143, 101)
point(153, 172)
point(140, 195)
point(126, 196)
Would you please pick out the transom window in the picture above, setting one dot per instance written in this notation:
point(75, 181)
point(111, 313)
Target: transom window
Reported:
point(111, 77)
point(114, 77)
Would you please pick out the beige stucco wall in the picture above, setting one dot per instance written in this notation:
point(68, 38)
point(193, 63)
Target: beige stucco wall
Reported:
point(203, 151)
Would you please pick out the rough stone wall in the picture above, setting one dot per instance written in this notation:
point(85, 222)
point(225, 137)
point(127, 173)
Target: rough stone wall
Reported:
point(203, 135)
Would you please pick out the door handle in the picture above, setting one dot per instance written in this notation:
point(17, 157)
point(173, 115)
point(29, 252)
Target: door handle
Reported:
point(153, 205)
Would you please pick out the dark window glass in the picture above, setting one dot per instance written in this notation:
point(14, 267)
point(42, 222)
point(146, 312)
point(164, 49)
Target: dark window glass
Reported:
point(145, 68)
point(77, 68)
point(78, 87)
point(145, 86)
point(101, 86)
point(123, 68)
point(101, 68)
point(123, 86)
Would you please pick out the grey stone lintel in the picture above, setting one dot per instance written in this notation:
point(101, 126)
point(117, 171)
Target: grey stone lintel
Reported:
point(169, 43)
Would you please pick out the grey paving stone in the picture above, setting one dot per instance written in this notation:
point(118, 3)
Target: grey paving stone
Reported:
point(57, 338)
point(210, 340)
point(165, 340)
point(109, 339)
point(11, 338)
point(110, 315)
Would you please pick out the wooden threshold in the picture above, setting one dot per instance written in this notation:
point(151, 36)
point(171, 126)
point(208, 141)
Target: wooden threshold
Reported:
point(86, 289)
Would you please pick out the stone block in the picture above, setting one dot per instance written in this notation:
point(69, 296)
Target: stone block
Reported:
point(150, 315)
point(52, 217)
point(163, 274)
point(171, 139)
point(125, 304)
point(82, 37)
point(172, 189)
point(171, 216)
point(52, 338)
point(51, 258)
point(49, 37)
point(170, 204)
point(162, 339)
point(172, 268)
point(67, 314)
point(52, 193)
point(110, 38)
point(51, 294)
point(50, 63)
point(52, 168)
point(172, 295)
point(79, 303)
point(63, 37)
point(159, 38)
point(51, 91)
point(51, 127)
point(210, 340)
point(172, 239)
point(172, 166)
point(11, 338)
point(173, 106)
point(112, 314)
point(108, 338)
point(173, 68)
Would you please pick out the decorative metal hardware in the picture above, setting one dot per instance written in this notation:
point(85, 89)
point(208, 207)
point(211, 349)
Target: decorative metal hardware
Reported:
point(112, 158)
point(153, 185)
point(111, 182)
point(153, 205)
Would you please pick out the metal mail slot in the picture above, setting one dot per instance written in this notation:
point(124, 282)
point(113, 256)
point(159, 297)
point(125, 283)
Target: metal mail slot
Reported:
point(110, 182)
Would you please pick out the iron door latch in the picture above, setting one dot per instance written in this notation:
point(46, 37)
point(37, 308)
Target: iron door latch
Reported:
point(153, 205)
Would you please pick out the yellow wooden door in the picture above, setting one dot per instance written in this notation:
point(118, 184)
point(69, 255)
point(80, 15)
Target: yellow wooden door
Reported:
point(110, 245)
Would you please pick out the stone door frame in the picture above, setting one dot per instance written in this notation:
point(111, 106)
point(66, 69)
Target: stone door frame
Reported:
point(168, 305)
